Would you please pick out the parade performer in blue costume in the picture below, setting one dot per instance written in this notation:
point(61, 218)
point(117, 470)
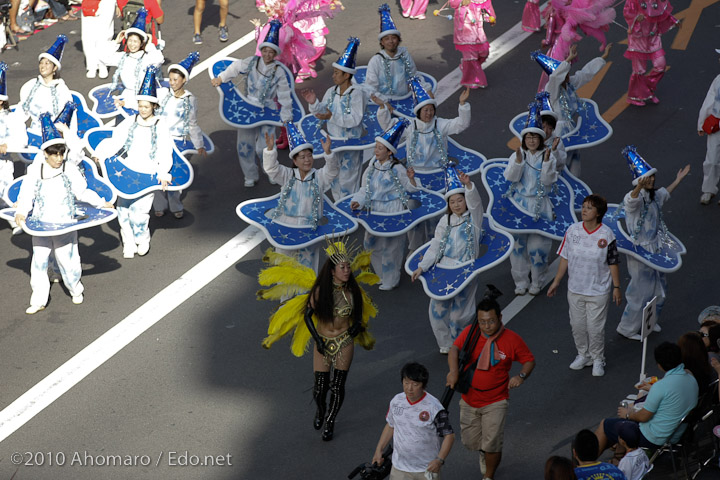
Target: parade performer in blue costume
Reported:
point(645, 224)
point(384, 188)
point(549, 124)
point(179, 109)
point(343, 108)
point(267, 86)
point(47, 92)
point(533, 171)
point(427, 140)
point(50, 190)
point(132, 62)
point(301, 199)
point(457, 239)
point(146, 147)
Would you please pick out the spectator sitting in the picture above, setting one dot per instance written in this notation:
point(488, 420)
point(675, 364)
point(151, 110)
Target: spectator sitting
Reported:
point(585, 452)
point(669, 400)
point(559, 468)
point(710, 313)
point(710, 333)
point(635, 463)
point(695, 359)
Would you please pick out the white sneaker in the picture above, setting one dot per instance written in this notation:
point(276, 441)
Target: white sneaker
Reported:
point(444, 350)
point(385, 287)
point(54, 277)
point(705, 198)
point(581, 362)
point(534, 290)
point(520, 291)
point(656, 328)
point(17, 231)
point(598, 368)
point(102, 71)
point(91, 73)
point(143, 248)
point(78, 299)
point(634, 336)
point(33, 309)
point(249, 183)
point(483, 467)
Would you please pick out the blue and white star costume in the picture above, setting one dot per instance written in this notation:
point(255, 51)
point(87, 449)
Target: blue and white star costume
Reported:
point(643, 218)
point(301, 197)
point(533, 181)
point(347, 111)
point(387, 77)
point(383, 186)
point(131, 70)
point(456, 240)
point(38, 97)
point(14, 135)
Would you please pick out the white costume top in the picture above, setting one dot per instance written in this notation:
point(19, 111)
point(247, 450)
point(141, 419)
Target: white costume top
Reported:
point(388, 76)
point(711, 105)
point(644, 227)
point(532, 181)
point(53, 191)
point(139, 150)
point(560, 152)
point(564, 100)
point(298, 206)
point(587, 256)
point(180, 113)
point(12, 131)
point(37, 97)
point(347, 111)
point(423, 151)
point(384, 184)
point(131, 69)
point(264, 83)
point(462, 241)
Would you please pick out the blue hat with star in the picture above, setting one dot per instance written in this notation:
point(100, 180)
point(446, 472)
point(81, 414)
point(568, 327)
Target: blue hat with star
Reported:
point(545, 107)
point(148, 88)
point(533, 123)
point(420, 95)
point(3, 81)
point(138, 26)
point(65, 116)
point(50, 134)
point(453, 184)
point(548, 64)
point(638, 166)
point(272, 39)
point(387, 26)
point(346, 62)
point(185, 66)
point(296, 139)
point(55, 52)
point(391, 137)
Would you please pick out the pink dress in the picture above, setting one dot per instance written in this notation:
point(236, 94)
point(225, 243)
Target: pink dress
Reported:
point(470, 39)
point(531, 16)
point(414, 8)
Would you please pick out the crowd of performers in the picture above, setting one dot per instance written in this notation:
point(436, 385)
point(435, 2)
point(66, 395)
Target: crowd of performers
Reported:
point(421, 211)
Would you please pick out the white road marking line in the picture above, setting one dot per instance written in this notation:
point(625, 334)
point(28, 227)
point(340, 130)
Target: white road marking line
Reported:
point(45, 392)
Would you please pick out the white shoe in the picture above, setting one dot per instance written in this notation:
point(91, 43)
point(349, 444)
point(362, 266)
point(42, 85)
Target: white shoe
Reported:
point(78, 299)
point(598, 368)
point(444, 350)
point(520, 291)
point(483, 467)
point(33, 309)
point(705, 198)
point(581, 362)
point(55, 277)
point(656, 328)
point(91, 73)
point(143, 248)
point(102, 71)
point(634, 336)
point(17, 230)
point(534, 290)
point(249, 183)
point(385, 287)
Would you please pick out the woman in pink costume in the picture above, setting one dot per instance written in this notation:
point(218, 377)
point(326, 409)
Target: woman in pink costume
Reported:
point(531, 16)
point(414, 8)
point(470, 40)
point(647, 21)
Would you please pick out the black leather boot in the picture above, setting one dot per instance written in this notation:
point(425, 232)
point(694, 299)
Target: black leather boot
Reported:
point(337, 395)
point(322, 382)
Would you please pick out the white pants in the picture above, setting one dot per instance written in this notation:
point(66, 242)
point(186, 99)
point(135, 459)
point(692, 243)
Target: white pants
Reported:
point(68, 259)
point(134, 219)
point(96, 32)
point(529, 258)
point(249, 146)
point(387, 257)
point(587, 320)
point(645, 283)
point(348, 181)
point(420, 233)
point(161, 201)
point(449, 317)
point(711, 165)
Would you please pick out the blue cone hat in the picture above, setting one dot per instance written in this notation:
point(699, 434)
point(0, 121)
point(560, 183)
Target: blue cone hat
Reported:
point(453, 184)
point(548, 64)
point(387, 26)
point(186, 66)
point(148, 88)
point(138, 26)
point(533, 123)
point(272, 39)
point(420, 95)
point(545, 108)
point(50, 134)
point(55, 52)
point(296, 139)
point(346, 62)
point(3, 81)
point(392, 135)
point(65, 116)
point(638, 166)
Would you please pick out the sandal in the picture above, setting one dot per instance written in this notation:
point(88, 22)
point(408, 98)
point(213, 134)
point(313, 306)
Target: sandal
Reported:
point(159, 213)
point(179, 214)
point(68, 17)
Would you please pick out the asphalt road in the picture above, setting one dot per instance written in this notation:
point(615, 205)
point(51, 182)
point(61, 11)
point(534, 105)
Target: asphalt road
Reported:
point(197, 381)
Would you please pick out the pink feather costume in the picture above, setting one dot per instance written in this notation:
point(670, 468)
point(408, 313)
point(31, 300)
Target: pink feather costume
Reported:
point(470, 39)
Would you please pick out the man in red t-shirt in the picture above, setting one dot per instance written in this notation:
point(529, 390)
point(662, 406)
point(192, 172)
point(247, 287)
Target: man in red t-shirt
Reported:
point(483, 407)
point(155, 12)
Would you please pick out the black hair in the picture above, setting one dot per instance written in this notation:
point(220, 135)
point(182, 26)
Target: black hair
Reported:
point(586, 446)
point(559, 468)
point(668, 355)
point(418, 112)
point(4, 105)
point(143, 41)
point(415, 372)
point(322, 295)
point(489, 301)
point(714, 337)
point(599, 203)
point(396, 34)
point(550, 120)
point(178, 72)
point(57, 149)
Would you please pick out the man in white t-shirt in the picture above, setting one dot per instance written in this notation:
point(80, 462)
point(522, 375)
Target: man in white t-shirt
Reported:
point(419, 427)
point(589, 254)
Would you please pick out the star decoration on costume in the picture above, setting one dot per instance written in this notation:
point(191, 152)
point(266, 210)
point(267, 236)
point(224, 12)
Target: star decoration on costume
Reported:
point(91, 217)
point(311, 130)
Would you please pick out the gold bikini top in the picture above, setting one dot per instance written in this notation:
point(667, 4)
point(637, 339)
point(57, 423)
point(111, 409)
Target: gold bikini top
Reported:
point(342, 306)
